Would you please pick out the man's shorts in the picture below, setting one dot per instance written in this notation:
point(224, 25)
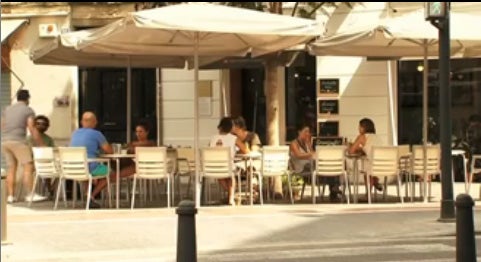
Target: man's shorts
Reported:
point(99, 170)
point(16, 152)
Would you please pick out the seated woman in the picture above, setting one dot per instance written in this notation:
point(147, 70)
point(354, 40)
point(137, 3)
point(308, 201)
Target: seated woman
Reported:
point(128, 165)
point(302, 157)
point(252, 143)
point(363, 144)
point(225, 139)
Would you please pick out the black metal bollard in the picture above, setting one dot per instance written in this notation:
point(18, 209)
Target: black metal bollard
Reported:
point(465, 239)
point(186, 236)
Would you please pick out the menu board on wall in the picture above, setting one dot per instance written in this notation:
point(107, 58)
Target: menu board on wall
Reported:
point(328, 129)
point(328, 106)
point(328, 86)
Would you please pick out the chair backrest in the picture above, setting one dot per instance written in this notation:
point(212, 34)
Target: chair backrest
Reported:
point(185, 160)
point(275, 160)
point(433, 155)
point(44, 161)
point(73, 162)
point(384, 161)
point(151, 162)
point(217, 162)
point(330, 160)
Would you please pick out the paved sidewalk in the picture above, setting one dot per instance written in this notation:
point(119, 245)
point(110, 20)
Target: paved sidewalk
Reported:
point(280, 232)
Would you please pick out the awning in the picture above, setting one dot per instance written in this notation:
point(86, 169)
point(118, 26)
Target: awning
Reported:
point(9, 26)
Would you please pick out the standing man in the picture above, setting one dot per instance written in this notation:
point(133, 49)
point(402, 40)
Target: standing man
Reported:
point(16, 119)
point(94, 142)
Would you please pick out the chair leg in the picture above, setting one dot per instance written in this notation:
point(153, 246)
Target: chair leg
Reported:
point(88, 194)
point(169, 198)
point(33, 190)
point(346, 185)
point(261, 194)
point(64, 191)
point(384, 193)
point(368, 183)
point(173, 186)
point(321, 193)
point(58, 192)
point(133, 193)
point(399, 188)
point(109, 191)
point(302, 190)
point(239, 187)
point(74, 184)
point(289, 183)
point(313, 186)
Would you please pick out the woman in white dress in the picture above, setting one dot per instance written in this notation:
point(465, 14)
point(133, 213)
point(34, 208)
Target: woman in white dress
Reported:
point(364, 142)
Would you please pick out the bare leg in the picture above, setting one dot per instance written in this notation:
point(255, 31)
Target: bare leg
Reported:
point(11, 174)
point(27, 176)
point(231, 186)
point(124, 172)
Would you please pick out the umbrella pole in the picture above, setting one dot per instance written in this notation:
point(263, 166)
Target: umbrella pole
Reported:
point(425, 117)
point(224, 99)
point(196, 121)
point(391, 103)
point(129, 100)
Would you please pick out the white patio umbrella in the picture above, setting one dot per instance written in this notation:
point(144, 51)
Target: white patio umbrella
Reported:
point(405, 35)
point(198, 30)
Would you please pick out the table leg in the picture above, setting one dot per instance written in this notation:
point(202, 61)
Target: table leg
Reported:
point(356, 180)
point(117, 183)
point(251, 178)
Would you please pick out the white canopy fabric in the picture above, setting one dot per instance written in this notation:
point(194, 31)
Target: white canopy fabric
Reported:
point(401, 36)
point(197, 30)
point(222, 31)
point(57, 52)
point(54, 53)
point(9, 26)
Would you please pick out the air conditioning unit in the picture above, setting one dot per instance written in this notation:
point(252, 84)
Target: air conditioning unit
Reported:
point(48, 30)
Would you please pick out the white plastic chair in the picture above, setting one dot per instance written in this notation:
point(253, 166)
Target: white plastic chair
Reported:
point(218, 163)
point(384, 163)
point(433, 155)
point(45, 167)
point(74, 166)
point(152, 164)
point(275, 162)
point(330, 162)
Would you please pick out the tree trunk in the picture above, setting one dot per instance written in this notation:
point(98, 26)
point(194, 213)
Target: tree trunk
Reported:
point(272, 103)
point(272, 111)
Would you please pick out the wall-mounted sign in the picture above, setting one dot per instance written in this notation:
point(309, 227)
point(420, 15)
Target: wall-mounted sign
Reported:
point(328, 106)
point(329, 86)
point(328, 129)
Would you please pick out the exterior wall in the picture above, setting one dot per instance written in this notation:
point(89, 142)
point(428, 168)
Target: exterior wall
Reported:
point(177, 108)
point(45, 83)
point(363, 85)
